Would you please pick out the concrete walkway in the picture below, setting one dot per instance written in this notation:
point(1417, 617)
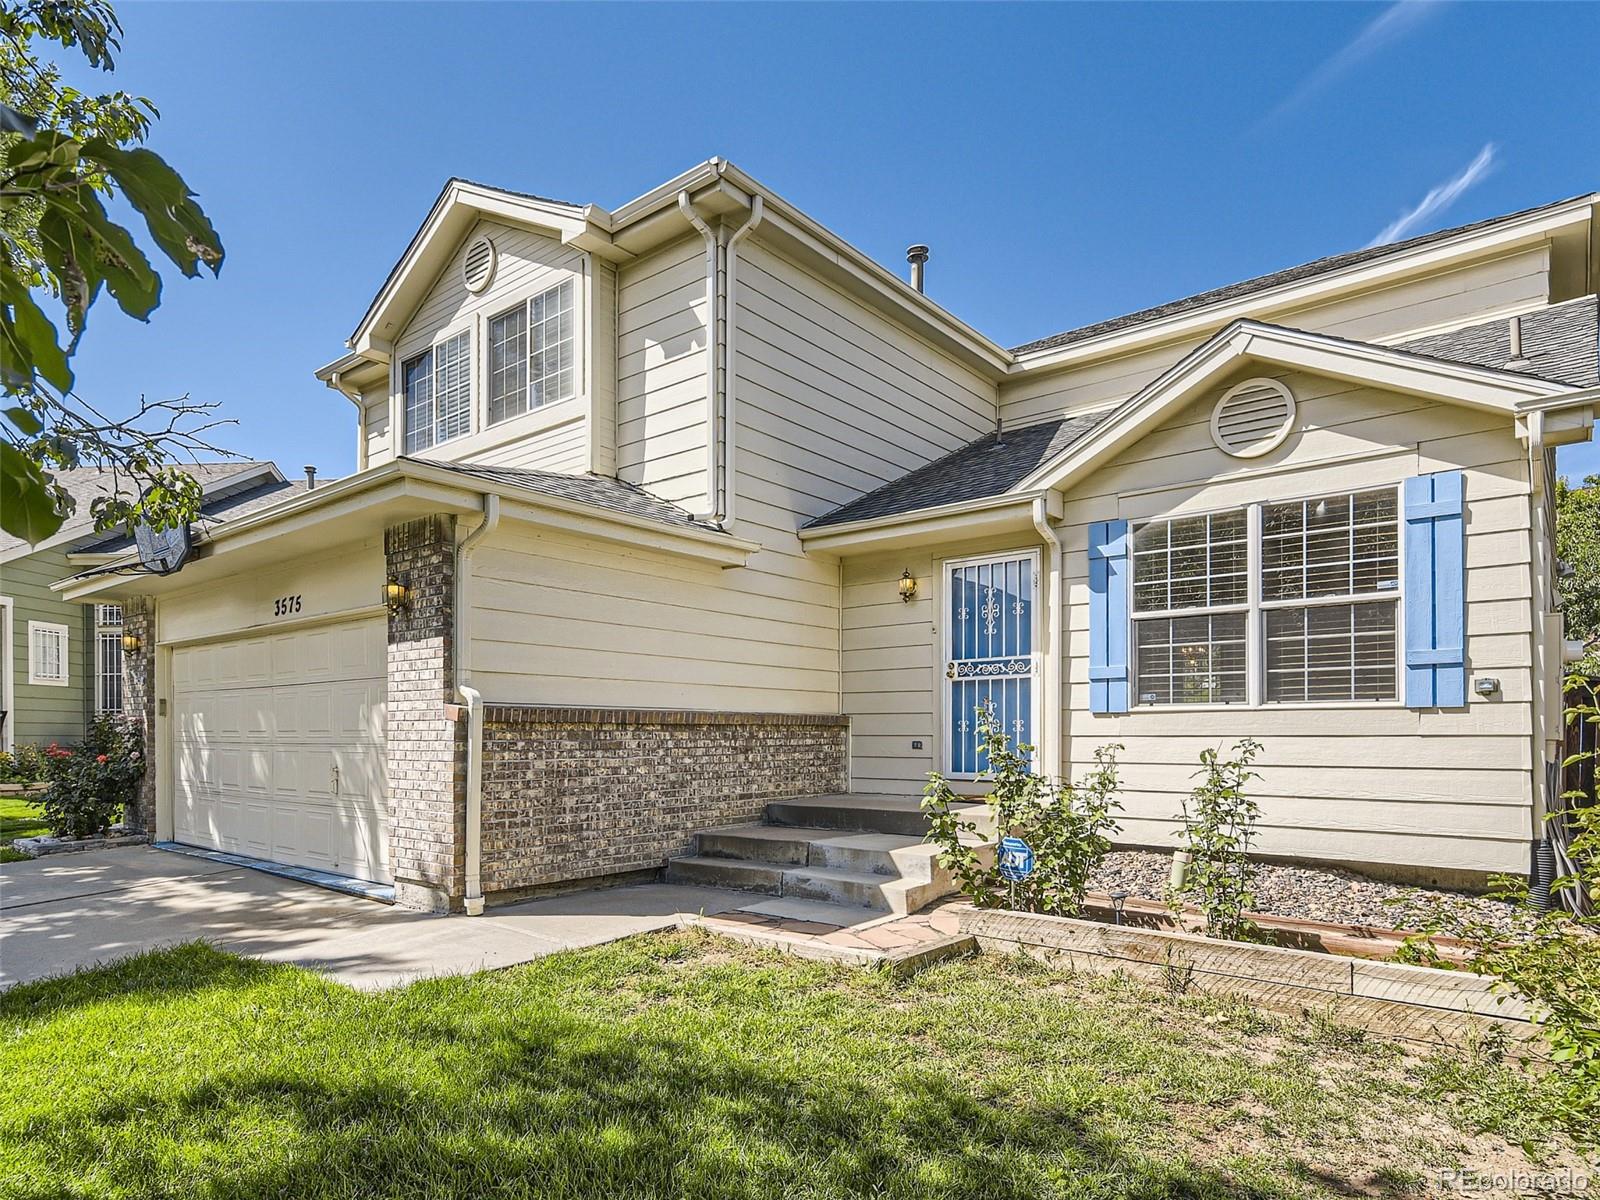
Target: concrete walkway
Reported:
point(75, 910)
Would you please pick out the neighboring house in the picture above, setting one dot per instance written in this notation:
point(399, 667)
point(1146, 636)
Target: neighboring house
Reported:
point(63, 659)
point(668, 511)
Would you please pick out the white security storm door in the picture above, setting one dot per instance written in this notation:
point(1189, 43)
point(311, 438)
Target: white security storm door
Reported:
point(990, 660)
point(278, 742)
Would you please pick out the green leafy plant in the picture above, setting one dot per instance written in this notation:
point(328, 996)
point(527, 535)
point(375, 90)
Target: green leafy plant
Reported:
point(1219, 820)
point(25, 764)
point(63, 155)
point(1067, 825)
point(91, 783)
point(1549, 956)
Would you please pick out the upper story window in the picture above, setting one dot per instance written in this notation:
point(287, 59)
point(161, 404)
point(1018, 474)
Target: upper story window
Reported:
point(1270, 603)
point(531, 354)
point(438, 393)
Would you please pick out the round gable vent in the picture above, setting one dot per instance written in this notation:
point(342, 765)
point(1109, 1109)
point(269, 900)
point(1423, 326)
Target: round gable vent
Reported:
point(1253, 418)
point(477, 268)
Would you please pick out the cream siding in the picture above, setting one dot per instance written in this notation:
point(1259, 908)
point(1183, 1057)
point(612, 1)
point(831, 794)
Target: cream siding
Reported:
point(377, 425)
point(1372, 783)
point(1477, 292)
point(661, 347)
point(551, 437)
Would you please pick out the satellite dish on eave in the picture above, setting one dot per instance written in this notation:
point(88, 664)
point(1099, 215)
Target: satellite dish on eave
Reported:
point(164, 551)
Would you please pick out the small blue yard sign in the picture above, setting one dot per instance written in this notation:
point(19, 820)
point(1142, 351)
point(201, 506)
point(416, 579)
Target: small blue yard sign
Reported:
point(1016, 859)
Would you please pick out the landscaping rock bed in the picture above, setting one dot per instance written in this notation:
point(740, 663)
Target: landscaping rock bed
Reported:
point(1313, 893)
point(36, 847)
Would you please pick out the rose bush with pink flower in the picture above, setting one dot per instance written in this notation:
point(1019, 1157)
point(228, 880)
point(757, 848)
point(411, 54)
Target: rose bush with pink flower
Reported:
point(91, 783)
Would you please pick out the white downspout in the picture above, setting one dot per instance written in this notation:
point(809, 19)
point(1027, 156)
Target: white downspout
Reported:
point(730, 362)
point(686, 207)
point(474, 702)
point(1053, 646)
point(336, 382)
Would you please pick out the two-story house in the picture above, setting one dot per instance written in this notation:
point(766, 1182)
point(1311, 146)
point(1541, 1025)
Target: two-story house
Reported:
point(668, 511)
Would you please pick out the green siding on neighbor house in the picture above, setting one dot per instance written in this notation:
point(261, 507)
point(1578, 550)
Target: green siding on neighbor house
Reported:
point(42, 713)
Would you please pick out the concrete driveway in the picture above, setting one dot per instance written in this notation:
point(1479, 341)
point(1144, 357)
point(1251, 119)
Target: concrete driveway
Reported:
point(75, 910)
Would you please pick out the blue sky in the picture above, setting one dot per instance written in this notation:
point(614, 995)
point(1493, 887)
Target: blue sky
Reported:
point(1065, 162)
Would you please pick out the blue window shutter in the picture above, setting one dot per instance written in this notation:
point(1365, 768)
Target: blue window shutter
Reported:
point(1436, 592)
point(1108, 617)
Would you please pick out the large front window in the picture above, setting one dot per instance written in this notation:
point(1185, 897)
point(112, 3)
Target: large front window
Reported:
point(438, 392)
point(1269, 603)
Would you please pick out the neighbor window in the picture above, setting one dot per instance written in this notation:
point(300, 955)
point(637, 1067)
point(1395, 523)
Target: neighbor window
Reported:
point(1311, 615)
point(438, 393)
point(108, 658)
point(47, 654)
point(531, 355)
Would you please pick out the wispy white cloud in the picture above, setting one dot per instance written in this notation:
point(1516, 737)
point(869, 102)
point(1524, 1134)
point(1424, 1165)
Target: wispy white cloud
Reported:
point(1440, 198)
point(1388, 27)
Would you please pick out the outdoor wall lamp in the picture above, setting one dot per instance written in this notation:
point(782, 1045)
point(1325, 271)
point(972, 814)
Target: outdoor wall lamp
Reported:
point(396, 596)
point(131, 643)
point(908, 586)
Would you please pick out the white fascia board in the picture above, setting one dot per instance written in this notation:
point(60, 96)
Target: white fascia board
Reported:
point(948, 521)
point(1271, 345)
point(444, 491)
point(1359, 276)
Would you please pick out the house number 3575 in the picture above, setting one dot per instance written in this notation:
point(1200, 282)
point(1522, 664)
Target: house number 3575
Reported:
point(285, 606)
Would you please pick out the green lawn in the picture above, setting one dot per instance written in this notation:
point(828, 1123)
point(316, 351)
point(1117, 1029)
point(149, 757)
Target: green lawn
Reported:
point(18, 818)
point(682, 1065)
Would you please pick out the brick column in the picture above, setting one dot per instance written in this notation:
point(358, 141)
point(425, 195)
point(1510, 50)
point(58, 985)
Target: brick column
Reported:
point(425, 752)
point(139, 706)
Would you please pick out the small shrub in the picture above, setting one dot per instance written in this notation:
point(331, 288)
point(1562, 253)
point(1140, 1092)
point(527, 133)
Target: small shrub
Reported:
point(1068, 825)
point(1219, 822)
point(92, 782)
point(25, 764)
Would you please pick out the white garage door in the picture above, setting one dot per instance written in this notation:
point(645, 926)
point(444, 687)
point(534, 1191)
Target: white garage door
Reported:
point(279, 748)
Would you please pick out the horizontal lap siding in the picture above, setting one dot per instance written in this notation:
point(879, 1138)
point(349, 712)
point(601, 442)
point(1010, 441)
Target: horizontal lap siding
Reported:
point(1452, 298)
point(661, 373)
point(1382, 784)
point(551, 438)
point(44, 714)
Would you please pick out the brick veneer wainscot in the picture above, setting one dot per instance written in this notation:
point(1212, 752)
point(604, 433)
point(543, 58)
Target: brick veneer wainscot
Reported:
point(425, 752)
point(139, 705)
point(575, 793)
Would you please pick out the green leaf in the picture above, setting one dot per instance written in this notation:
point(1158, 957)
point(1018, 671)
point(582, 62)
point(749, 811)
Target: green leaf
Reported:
point(176, 221)
point(27, 424)
point(29, 345)
point(27, 507)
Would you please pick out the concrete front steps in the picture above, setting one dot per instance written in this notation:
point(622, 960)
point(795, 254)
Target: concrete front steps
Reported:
point(858, 850)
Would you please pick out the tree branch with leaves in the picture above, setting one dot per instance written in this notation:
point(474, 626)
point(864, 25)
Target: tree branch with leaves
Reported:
point(63, 154)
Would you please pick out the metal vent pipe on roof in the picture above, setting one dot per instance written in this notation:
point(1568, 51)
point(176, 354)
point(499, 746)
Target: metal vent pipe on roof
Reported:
point(1516, 359)
point(917, 256)
point(311, 477)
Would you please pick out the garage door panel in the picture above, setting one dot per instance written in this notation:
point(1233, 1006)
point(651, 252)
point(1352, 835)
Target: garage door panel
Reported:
point(279, 747)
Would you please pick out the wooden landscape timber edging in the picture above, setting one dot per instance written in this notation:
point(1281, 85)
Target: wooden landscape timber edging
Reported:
point(1295, 933)
point(1416, 1004)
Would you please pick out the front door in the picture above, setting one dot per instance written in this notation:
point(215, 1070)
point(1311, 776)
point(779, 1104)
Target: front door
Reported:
point(990, 661)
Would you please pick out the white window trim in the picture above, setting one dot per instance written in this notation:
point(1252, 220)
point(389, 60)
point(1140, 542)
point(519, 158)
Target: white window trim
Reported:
point(1255, 630)
point(8, 650)
point(942, 598)
point(36, 680)
point(397, 386)
point(526, 305)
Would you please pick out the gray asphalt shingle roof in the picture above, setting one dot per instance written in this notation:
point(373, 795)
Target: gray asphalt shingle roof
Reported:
point(1261, 283)
point(599, 490)
point(215, 512)
point(987, 467)
point(1560, 343)
point(86, 484)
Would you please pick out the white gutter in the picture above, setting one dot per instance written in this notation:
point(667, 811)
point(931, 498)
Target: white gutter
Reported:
point(474, 702)
point(713, 250)
point(730, 362)
point(1053, 646)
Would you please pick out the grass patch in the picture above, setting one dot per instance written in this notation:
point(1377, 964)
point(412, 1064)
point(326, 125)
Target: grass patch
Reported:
point(680, 1065)
point(19, 818)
